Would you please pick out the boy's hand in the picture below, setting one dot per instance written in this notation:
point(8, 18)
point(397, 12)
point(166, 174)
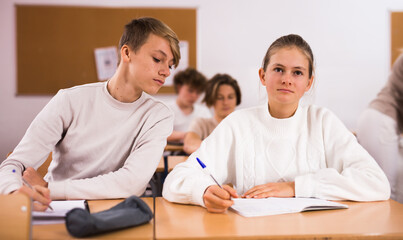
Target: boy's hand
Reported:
point(40, 196)
point(32, 177)
point(218, 200)
point(278, 189)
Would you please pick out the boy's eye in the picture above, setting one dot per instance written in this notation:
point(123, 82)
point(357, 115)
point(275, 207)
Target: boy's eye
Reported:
point(298, 73)
point(278, 70)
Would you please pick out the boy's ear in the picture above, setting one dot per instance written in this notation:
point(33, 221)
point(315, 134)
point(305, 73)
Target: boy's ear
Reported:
point(178, 87)
point(125, 53)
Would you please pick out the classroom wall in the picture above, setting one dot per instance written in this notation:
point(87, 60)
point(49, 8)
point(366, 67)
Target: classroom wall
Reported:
point(350, 40)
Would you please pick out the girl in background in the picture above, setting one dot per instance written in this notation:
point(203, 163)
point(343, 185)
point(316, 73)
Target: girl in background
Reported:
point(223, 94)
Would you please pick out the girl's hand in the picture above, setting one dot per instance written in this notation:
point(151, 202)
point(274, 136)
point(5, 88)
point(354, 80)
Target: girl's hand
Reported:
point(218, 200)
point(278, 189)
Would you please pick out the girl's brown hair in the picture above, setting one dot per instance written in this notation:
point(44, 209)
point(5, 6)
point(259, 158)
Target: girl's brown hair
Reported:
point(291, 40)
point(213, 85)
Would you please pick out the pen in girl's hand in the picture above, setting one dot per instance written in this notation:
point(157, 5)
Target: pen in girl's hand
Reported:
point(207, 171)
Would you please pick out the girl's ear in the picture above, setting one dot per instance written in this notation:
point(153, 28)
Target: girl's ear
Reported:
point(262, 76)
point(310, 82)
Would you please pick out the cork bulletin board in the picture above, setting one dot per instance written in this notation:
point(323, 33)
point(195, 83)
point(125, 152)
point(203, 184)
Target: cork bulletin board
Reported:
point(396, 25)
point(55, 44)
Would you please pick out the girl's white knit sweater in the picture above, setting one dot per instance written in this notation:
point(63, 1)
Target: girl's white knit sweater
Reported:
point(312, 148)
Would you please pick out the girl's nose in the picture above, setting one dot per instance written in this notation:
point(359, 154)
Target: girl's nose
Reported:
point(286, 79)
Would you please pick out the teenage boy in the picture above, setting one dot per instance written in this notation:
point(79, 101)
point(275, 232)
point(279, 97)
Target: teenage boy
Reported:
point(107, 138)
point(189, 85)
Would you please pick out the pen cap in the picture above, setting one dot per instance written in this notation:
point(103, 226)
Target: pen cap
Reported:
point(201, 163)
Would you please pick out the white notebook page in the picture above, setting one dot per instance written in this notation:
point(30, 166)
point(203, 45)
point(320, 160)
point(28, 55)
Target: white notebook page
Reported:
point(272, 206)
point(60, 208)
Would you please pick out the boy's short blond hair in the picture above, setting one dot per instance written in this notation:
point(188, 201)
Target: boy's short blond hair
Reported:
point(137, 31)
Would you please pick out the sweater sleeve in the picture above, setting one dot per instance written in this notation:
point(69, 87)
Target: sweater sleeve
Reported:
point(196, 127)
point(40, 138)
point(351, 173)
point(132, 178)
point(187, 182)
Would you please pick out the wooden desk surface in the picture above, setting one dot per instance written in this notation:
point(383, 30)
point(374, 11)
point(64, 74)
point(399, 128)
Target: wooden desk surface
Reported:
point(59, 231)
point(362, 220)
point(173, 147)
point(374, 220)
point(172, 162)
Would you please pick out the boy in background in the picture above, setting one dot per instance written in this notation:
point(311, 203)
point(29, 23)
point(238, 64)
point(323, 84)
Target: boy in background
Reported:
point(189, 85)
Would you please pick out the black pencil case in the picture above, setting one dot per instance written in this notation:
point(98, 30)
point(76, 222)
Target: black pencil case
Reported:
point(131, 212)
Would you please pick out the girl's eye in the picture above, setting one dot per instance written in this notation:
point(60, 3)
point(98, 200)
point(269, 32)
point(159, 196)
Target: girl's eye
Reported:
point(156, 60)
point(220, 97)
point(170, 67)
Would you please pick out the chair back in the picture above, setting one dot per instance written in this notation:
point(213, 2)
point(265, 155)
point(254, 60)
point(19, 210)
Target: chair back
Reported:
point(15, 216)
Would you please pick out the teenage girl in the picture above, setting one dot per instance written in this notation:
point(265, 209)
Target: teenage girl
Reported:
point(279, 149)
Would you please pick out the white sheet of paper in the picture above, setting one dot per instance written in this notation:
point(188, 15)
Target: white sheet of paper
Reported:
point(60, 208)
point(272, 206)
point(106, 60)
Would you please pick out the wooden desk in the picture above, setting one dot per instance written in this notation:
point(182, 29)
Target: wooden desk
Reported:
point(59, 231)
point(374, 220)
point(173, 148)
point(172, 162)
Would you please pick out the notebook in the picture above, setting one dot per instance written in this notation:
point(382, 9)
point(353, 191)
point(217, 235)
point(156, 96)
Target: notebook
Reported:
point(60, 208)
point(248, 207)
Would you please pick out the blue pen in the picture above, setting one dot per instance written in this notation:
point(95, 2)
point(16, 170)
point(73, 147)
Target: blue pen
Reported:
point(207, 171)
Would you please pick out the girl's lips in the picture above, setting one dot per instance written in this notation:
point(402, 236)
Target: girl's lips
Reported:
point(284, 90)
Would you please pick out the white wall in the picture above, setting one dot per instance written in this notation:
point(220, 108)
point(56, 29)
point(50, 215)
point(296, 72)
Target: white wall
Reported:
point(350, 40)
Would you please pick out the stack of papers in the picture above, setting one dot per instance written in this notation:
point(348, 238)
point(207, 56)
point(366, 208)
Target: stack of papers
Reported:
point(60, 208)
point(249, 207)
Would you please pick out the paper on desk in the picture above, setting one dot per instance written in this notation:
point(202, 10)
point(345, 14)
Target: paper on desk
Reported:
point(57, 216)
point(272, 206)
